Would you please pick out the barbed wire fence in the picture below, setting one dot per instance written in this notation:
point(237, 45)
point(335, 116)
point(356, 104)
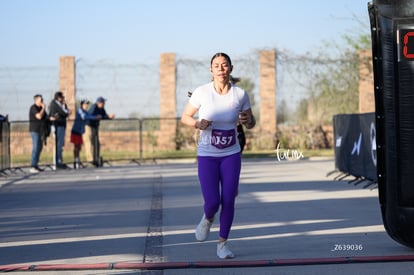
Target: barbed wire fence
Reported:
point(18, 85)
point(132, 89)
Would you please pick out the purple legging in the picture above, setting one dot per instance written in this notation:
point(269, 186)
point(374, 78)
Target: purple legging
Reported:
point(216, 172)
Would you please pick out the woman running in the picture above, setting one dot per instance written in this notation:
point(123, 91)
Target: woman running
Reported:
point(220, 106)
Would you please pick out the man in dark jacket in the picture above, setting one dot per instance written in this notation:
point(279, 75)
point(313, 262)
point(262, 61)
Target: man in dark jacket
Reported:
point(91, 135)
point(59, 110)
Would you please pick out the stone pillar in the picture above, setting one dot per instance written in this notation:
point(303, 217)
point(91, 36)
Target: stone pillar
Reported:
point(268, 97)
point(366, 82)
point(168, 102)
point(67, 80)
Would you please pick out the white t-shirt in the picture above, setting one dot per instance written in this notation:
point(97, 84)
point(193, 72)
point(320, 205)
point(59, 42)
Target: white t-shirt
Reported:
point(219, 139)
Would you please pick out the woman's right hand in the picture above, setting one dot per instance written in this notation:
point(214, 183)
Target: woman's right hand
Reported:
point(203, 124)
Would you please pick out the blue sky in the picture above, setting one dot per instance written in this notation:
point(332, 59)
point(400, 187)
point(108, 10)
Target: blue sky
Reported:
point(37, 32)
point(34, 33)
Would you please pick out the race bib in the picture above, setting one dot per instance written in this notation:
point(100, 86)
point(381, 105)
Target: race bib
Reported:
point(222, 139)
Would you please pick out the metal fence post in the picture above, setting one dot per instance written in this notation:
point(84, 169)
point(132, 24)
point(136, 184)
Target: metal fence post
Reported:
point(4, 144)
point(140, 138)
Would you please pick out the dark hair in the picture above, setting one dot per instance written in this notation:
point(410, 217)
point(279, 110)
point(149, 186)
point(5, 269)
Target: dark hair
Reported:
point(58, 95)
point(235, 80)
point(223, 55)
point(37, 96)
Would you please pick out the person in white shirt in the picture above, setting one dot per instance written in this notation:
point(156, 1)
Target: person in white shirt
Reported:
point(220, 106)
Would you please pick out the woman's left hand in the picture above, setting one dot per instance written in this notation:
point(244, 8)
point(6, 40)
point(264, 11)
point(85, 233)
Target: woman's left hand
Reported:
point(245, 118)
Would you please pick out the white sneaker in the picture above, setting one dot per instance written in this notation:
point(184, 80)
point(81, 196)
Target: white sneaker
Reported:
point(203, 229)
point(33, 170)
point(223, 251)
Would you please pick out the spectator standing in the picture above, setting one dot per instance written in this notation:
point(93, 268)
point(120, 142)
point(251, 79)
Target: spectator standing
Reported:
point(59, 110)
point(78, 129)
point(39, 129)
point(91, 135)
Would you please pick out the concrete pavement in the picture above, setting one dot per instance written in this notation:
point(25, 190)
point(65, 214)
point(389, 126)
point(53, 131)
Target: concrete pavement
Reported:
point(130, 213)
